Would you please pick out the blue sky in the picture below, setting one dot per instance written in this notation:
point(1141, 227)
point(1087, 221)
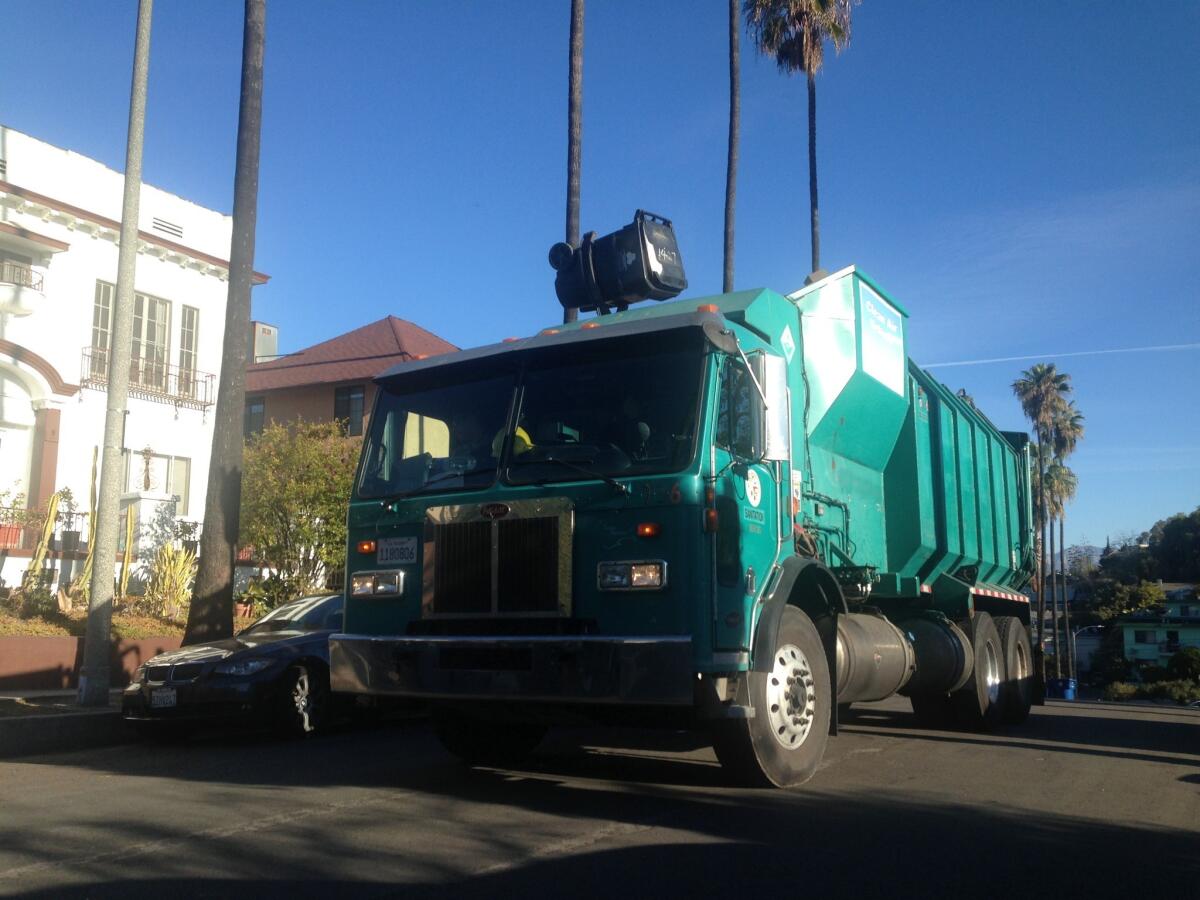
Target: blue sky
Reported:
point(1023, 178)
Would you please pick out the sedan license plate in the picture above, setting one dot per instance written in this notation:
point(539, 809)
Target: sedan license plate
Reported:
point(396, 550)
point(162, 698)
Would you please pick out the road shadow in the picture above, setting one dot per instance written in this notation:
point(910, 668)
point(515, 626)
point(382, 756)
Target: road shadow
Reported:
point(1047, 730)
point(657, 844)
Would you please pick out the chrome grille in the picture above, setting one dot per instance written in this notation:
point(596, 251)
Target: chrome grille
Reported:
point(157, 673)
point(527, 576)
point(462, 574)
point(478, 563)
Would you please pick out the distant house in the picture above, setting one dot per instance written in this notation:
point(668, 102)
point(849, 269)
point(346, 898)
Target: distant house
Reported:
point(1152, 639)
point(333, 379)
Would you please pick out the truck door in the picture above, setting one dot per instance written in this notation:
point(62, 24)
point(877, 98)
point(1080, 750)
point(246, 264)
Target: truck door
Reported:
point(748, 494)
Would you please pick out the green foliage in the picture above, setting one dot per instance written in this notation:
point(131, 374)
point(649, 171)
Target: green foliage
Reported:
point(267, 593)
point(1119, 690)
point(1151, 674)
point(1180, 691)
point(1184, 665)
point(295, 489)
point(169, 589)
point(1108, 662)
point(1111, 599)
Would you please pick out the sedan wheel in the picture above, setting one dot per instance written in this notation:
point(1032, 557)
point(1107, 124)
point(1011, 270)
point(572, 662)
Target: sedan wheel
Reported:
point(305, 700)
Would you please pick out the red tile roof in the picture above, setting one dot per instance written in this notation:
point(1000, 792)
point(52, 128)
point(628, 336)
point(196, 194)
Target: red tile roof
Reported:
point(354, 356)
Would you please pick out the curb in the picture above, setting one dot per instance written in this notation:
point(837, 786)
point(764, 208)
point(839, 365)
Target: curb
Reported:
point(25, 735)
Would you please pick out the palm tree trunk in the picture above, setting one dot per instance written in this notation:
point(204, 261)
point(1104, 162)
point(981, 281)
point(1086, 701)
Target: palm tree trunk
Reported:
point(574, 133)
point(1062, 567)
point(1054, 600)
point(734, 125)
point(210, 616)
point(812, 172)
point(1042, 581)
point(95, 677)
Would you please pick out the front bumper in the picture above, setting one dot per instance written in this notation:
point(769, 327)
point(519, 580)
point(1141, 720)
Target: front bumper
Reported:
point(226, 699)
point(579, 669)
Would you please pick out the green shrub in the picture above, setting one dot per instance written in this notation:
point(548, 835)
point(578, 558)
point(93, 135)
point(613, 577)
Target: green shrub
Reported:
point(1178, 691)
point(1119, 690)
point(1185, 664)
point(169, 590)
point(1153, 674)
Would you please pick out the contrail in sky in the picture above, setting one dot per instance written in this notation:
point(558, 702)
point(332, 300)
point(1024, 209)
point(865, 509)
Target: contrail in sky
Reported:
point(1003, 359)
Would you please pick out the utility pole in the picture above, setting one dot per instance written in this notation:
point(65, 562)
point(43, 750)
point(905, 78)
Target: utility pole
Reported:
point(211, 614)
point(94, 675)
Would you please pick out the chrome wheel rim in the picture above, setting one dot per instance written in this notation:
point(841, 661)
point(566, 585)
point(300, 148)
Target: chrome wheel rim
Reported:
point(991, 672)
point(1022, 663)
point(302, 699)
point(791, 697)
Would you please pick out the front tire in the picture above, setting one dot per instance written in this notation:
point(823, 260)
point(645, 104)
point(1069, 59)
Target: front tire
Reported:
point(304, 700)
point(782, 744)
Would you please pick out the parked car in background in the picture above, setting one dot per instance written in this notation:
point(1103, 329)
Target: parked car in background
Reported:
point(276, 673)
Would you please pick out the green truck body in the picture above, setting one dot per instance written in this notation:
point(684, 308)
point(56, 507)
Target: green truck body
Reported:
point(667, 501)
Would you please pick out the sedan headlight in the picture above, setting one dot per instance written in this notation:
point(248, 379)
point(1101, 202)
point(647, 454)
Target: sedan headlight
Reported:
point(639, 575)
point(364, 584)
point(244, 667)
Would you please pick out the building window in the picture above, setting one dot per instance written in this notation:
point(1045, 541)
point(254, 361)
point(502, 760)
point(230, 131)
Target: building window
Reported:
point(101, 329)
point(1145, 637)
point(160, 474)
point(151, 325)
point(1185, 611)
point(348, 407)
point(256, 409)
point(189, 327)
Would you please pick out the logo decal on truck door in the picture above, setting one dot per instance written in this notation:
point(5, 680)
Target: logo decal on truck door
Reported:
point(753, 488)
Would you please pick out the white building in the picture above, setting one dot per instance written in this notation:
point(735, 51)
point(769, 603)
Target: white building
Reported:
point(59, 232)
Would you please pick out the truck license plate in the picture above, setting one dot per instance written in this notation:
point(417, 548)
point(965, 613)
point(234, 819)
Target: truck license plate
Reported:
point(396, 550)
point(162, 697)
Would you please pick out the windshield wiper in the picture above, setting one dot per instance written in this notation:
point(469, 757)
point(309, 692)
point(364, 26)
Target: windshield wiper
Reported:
point(583, 470)
point(440, 477)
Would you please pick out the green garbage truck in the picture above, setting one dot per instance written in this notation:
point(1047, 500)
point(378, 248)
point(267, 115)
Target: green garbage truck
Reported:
point(737, 514)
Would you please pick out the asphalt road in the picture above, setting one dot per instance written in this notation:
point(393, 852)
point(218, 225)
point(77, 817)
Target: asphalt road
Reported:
point(1088, 800)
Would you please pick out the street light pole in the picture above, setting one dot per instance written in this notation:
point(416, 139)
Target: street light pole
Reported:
point(94, 674)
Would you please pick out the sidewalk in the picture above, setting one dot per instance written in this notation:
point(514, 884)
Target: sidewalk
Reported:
point(49, 721)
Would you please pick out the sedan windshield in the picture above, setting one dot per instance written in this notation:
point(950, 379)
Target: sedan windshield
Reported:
point(305, 614)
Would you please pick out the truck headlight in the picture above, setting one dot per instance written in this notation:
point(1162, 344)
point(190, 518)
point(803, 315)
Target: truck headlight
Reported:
point(388, 583)
point(640, 575)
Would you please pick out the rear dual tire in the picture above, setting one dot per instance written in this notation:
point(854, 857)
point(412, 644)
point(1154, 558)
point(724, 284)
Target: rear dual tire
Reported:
point(1000, 689)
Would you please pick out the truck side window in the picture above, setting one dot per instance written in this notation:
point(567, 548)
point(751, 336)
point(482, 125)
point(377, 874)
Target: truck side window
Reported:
point(735, 411)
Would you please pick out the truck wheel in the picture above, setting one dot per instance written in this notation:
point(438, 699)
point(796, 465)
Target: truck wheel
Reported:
point(481, 742)
point(933, 710)
point(977, 703)
point(1016, 695)
point(784, 741)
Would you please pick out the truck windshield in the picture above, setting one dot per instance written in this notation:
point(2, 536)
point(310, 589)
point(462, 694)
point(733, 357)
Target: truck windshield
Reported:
point(622, 407)
point(435, 437)
point(630, 412)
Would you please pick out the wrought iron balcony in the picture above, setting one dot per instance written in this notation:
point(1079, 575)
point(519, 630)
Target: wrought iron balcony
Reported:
point(20, 274)
point(151, 379)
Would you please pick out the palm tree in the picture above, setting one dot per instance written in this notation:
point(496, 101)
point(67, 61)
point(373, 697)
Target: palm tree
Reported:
point(795, 32)
point(574, 133)
point(735, 64)
point(1042, 389)
point(1068, 431)
point(210, 616)
point(1061, 484)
